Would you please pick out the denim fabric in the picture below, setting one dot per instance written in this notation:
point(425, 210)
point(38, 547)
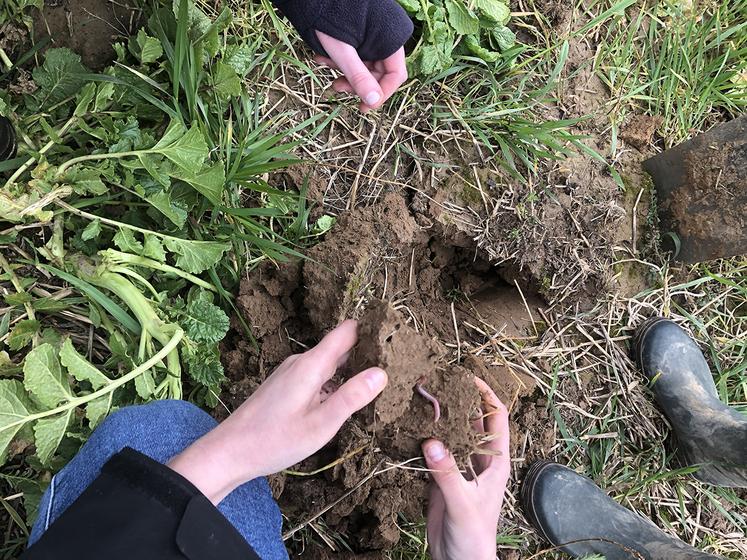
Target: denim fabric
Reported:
point(161, 430)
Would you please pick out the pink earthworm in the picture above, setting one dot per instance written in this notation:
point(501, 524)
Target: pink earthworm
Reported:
point(430, 398)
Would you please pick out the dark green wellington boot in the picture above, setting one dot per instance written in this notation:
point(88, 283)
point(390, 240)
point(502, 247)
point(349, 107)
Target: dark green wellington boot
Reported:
point(706, 431)
point(574, 514)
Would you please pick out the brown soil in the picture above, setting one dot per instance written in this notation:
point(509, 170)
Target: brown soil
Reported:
point(416, 287)
point(88, 27)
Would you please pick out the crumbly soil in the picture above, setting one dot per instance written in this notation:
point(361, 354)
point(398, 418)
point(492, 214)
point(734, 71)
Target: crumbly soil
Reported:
point(418, 289)
point(88, 27)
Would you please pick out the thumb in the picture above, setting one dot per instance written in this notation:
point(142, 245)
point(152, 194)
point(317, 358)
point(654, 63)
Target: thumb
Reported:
point(358, 75)
point(446, 475)
point(353, 395)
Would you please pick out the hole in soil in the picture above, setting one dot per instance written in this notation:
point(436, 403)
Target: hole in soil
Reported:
point(418, 295)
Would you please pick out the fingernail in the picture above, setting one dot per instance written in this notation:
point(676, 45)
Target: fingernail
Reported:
point(372, 98)
point(435, 451)
point(376, 379)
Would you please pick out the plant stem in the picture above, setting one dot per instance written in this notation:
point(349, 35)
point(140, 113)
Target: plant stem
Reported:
point(21, 170)
point(17, 285)
point(137, 260)
point(169, 347)
point(93, 157)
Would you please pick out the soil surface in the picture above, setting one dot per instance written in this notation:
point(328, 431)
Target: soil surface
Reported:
point(424, 302)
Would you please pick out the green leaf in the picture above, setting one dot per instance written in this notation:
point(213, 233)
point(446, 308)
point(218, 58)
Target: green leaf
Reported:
point(226, 82)
point(85, 97)
point(16, 299)
point(410, 6)
point(504, 37)
point(473, 44)
point(125, 240)
point(14, 409)
point(324, 224)
point(43, 377)
point(204, 321)
point(187, 150)
point(86, 180)
point(162, 202)
point(80, 368)
point(209, 182)
point(493, 11)
point(203, 363)
point(153, 248)
point(48, 433)
point(91, 231)
point(461, 18)
point(60, 77)
point(22, 334)
point(97, 409)
point(240, 58)
point(195, 256)
point(150, 48)
point(145, 385)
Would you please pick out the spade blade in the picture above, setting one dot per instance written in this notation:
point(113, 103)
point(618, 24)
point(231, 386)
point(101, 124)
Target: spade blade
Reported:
point(701, 187)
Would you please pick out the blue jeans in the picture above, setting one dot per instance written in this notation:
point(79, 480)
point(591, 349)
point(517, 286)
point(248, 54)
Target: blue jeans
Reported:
point(161, 430)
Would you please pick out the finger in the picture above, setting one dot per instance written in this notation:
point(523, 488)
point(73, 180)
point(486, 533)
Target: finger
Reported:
point(353, 395)
point(342, 85)
point(324, 61)
point(322, 360)
point(350, 64)
point(446, 475)
point(395, 74)
point(497, 446)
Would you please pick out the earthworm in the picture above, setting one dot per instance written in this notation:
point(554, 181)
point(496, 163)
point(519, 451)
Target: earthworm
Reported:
point(430, 398)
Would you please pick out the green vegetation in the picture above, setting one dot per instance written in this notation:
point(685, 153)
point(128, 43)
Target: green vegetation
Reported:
point(450, 27)
point(681, 61)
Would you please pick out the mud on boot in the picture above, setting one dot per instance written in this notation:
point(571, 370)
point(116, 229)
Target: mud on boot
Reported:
point(707, 432)
point(573, 513)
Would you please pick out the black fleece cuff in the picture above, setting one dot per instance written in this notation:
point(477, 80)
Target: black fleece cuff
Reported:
point(376, 28)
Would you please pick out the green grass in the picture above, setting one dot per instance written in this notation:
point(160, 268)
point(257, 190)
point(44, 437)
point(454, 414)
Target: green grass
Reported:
point(687, 66)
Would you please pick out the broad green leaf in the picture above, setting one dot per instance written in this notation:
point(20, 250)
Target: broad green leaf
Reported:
point(324, 224)
point(473, 44)
point(410, 6)
point(60, 77)
point(85, 97)
point(4, 324)
point(85, 180)
point(461, 18)
point(150, 48)
point(188, 151)
point(494, 11)
point(204, 321)
point(43, 377)
point(162, 202)
point(80, 368)
point(240, 58)
point(103, 96)
point(504, 37)
point(125, 240)
point(91, 231)
point(209, 182)
point(16, 299)
point(195, 256)
point(14, 408)
point(22, 333)
point(203, 363)
point(153, 248)
point(145, 385)
point(48, 433)
point(97, 409)
point(226, 82)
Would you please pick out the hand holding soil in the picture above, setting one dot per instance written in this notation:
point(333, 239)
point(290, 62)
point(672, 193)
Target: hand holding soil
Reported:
point(463, 514)
point(286, 420)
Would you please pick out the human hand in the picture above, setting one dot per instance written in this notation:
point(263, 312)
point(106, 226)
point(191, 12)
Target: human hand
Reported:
point(373, 82)
point(286, 419)
point(463, 514)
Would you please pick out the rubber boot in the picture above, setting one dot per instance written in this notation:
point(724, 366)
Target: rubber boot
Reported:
point(575, 515)
point(707, 432)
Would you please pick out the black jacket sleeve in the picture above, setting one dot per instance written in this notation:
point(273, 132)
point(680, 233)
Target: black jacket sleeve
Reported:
point(140, 509)
point(376, 28)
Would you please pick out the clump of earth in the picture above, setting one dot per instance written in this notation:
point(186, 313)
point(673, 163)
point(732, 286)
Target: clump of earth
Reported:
point(430, 311)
